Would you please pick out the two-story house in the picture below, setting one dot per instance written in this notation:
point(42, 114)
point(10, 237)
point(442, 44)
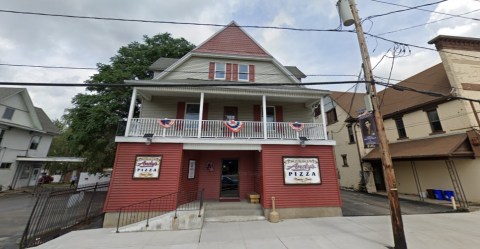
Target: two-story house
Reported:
point(26, 133)
point(433, 138)
point(231, 140)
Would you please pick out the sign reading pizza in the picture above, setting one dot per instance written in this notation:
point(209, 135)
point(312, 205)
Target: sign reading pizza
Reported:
point(301, 170)
point(147, 167)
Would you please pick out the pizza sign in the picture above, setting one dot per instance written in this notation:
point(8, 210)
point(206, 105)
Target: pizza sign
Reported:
point(301, 170)
point(147, 167)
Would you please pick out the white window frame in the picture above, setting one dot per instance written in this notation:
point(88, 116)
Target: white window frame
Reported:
point(224, 71)
point(247, 74)
point(32, 143)
point(191, 126)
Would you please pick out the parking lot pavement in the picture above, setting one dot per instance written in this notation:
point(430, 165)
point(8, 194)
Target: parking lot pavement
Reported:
point(15, 211)
point(363, 204)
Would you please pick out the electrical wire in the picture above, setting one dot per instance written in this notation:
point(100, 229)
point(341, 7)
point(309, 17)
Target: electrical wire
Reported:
point(407, 8)
point(42, 66)
point(431, 11)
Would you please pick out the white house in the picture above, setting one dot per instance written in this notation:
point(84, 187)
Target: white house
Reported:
point(26, 133)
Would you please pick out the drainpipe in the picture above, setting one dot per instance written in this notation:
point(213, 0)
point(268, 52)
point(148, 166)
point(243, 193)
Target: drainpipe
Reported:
point(359, 154)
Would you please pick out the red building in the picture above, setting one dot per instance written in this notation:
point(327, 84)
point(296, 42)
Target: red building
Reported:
point(230, 140)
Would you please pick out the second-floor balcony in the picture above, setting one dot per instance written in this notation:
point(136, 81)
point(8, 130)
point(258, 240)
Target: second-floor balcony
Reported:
point(183, 128)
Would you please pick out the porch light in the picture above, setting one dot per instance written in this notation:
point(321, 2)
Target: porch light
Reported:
point(302, 141)
point(149, 137)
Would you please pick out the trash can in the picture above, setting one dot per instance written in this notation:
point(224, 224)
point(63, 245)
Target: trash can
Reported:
point(430, 193)
point(448, 194)
point(438, 194)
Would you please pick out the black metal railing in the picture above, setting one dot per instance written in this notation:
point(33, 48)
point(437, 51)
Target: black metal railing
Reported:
point(58, 211)
point(174, 202)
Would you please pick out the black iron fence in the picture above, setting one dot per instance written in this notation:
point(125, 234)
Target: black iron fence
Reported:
point(58, 211)
point(174, 202)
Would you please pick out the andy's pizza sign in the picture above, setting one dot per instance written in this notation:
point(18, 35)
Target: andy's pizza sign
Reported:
point(147, 167)
point(301, 170)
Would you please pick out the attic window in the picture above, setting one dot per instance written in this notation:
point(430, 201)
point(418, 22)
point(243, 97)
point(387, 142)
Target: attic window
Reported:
point(8, 114)
point(220, 71)
point(35, 142)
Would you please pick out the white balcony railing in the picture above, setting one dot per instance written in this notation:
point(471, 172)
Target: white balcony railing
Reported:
point(217, 129)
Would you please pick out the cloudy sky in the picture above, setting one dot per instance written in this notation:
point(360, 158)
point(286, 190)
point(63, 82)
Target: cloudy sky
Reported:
point(55, 41)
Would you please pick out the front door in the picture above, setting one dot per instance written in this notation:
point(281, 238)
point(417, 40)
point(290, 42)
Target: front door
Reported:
point(378, 176)
point(229, 180)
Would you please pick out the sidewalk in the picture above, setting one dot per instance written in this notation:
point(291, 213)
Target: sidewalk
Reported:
point(453, 230)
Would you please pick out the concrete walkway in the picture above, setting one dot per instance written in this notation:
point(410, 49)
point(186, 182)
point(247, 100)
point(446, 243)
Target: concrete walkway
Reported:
point(453, 230)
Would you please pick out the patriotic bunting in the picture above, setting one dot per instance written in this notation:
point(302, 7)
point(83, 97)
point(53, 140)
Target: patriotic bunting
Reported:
point(296, 126)
point(234, 126)
point(166, 123)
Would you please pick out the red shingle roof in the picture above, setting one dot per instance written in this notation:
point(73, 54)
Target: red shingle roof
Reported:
point(232, 40)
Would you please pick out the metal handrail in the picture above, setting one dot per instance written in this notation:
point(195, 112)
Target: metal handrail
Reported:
point(147, 209)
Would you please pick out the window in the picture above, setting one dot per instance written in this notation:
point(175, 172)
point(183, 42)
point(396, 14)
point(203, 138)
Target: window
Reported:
point(35, 142)
point(331, 116)
point(270, 114)
point(434, 121)
point(2, 132)
point(345, 162)
point(220, 71)
point(402, 133)
point(192, 111)
point(8, 114)
point(5, 165)
point(351, 136)
point(242, 72)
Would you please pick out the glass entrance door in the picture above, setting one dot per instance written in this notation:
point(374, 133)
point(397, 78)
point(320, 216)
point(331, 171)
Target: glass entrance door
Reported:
point(229, 180)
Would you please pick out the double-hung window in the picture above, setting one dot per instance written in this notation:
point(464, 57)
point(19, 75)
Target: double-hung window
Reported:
point(402, 133)
point(35, 142)
point(8, 113)
point(192, 112)
point(270, 117)
point(243, 72)
point(434, 121)
point(220, 71)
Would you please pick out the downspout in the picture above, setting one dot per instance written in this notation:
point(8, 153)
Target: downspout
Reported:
point(363, 182)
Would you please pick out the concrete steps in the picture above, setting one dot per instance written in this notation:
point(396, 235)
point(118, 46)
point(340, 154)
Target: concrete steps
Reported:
point(233, 211)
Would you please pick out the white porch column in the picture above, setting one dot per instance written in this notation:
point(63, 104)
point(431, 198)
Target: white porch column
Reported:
point(200, 115)
point(324, 119)
point(130, 112)
point(264, 108)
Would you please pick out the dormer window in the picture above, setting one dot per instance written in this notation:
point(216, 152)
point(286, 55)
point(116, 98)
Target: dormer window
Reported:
point(243, 72)
point(220, 71)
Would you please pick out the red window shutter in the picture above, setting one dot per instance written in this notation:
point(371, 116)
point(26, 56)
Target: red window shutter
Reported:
point(251, 73)
point(235, 72)
point(279, 113)
point(180, 110)
point(228, 71)
point(256, 113)
point(211, 70)
point(205, 111)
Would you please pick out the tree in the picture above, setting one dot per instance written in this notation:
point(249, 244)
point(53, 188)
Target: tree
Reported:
point(94, 117)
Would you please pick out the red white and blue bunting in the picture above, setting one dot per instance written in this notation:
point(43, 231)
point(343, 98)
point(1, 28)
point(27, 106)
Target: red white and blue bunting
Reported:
point(166, 123)
point(234, 126)
point(296, 126)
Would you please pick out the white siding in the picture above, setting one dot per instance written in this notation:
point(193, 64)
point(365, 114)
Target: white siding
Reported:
point(197, 68)
point(21, 115)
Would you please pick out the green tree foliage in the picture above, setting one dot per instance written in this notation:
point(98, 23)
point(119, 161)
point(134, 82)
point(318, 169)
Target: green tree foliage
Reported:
point(60, 148)
point(94, 117)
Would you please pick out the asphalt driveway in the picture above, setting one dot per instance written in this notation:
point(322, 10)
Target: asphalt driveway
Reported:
point(15, 211)
point(364, 204)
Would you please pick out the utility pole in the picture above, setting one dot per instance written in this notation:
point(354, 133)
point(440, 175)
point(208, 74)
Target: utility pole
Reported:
point(390, 181)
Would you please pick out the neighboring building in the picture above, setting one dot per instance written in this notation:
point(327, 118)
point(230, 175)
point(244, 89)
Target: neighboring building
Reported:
point(434, 140)
point(200, 152)
point(26, 133)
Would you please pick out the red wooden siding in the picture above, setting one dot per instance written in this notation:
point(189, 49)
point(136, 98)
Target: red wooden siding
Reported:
point(210, 180)
point(326, 194)
point(258, 176)
point(189, 185)
point(211, 70)
point(125, 190)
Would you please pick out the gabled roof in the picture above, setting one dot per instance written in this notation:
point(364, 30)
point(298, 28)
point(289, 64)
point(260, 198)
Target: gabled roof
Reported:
point(47, 124)
point(162, 63)
point(394, 102)
point(434, 147)
point(6, 92)
point(296, 72)
point(232, 40)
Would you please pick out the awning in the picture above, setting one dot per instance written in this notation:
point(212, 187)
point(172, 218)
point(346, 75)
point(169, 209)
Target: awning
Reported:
point(52, 159)
point(435, 148)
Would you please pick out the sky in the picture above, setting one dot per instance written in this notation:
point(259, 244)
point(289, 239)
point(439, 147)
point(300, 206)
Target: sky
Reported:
point(56, 41)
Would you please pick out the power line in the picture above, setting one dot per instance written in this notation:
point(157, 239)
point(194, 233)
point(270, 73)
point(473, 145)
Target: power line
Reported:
point(407, 8)
point(42, 66)
point(163, 22)
point(423, 24)
point(431, 11)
